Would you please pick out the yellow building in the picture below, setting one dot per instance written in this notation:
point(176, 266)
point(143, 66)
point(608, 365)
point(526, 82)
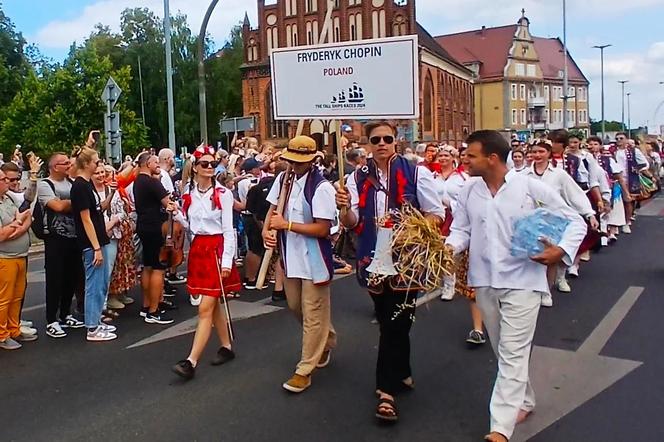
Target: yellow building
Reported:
point(519, 79)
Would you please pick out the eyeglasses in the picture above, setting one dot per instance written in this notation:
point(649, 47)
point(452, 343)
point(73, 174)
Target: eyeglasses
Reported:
point(388, 139)
point(208, 164)
point(620, 138)
point(63, 164)
point(13, 180)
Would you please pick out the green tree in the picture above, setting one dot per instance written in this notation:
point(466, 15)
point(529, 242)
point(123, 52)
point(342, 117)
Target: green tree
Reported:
point(14, 66)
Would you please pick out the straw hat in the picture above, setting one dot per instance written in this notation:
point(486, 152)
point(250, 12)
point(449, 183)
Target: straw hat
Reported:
point(301, 149)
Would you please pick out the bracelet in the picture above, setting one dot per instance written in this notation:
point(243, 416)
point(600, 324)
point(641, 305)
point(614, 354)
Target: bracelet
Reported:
point(290, 225)
point(97, 250)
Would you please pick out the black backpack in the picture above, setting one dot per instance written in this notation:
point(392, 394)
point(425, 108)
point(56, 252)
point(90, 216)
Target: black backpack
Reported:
point(42, 217)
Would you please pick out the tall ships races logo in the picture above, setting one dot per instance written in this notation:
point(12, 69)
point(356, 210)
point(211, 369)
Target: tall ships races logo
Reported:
point(351, 98)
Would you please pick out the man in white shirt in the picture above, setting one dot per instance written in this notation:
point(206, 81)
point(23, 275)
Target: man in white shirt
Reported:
point(166, 163)
point(509, 288)
point(306, 253)
point(631, 161)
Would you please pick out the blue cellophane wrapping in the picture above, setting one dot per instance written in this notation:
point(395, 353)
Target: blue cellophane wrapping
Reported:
point(528, 230)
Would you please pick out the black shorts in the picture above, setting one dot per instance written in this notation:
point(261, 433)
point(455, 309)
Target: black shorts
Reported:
point(254, 234)
point(152, 243)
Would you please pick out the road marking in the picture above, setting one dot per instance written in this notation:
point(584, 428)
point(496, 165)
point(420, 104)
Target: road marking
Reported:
point(33, 308)
point(564, 380)
point(239, 310)
point(37, 276)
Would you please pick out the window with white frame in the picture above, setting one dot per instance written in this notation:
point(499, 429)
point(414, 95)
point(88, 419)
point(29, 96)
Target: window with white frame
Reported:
point(546, 93)
point(522, 92)
point(272, 38)
point(291, 7)
point(515, 115)
point(582, 94)
point(546, 116)
point(354, 2)
point(513, 92)
point(520, 69)
point(336, 30)
point(532, 72)
point(523, 116)
point(571, 92)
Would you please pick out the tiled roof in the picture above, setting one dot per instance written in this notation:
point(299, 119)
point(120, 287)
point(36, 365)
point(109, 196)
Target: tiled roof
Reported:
point(552, 59)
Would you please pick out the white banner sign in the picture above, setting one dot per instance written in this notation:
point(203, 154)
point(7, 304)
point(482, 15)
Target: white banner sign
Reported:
point(368, 79)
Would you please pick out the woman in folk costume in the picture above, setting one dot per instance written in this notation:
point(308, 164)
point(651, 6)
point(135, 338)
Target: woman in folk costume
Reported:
point(387, 183)
point(615, 218)
point(208, 207)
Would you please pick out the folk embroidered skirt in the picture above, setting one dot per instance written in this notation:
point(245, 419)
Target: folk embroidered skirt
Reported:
point(202, 271)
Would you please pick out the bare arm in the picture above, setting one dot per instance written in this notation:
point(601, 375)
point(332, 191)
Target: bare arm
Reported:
point(60, 206)
point(90, 229)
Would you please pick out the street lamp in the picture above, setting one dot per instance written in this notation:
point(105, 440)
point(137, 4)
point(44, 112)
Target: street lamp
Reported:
point(629, 121)
point(601, 50)
point(622, 82)
point(169, 76)
point(202, 107)
point(124, 45)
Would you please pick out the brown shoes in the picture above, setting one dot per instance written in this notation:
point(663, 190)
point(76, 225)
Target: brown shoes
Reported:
point(324, 359)
point(298, 383)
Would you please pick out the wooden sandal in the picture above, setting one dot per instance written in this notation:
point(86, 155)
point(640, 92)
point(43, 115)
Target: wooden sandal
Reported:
point(387, 410)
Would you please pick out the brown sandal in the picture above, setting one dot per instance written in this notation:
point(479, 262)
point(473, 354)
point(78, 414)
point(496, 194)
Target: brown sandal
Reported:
point(387, 410)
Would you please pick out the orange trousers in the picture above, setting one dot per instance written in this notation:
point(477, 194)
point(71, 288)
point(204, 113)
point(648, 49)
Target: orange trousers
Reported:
point(13, 281)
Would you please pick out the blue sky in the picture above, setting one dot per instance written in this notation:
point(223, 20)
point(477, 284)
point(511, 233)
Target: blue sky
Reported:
point(633, 27)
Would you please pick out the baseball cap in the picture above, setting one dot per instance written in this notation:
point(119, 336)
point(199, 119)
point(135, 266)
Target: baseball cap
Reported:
point(251, 163)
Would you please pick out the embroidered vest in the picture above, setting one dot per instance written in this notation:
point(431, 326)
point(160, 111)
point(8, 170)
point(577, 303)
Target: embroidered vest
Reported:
point(633, 180)
point(401, 188)
point(319, 249)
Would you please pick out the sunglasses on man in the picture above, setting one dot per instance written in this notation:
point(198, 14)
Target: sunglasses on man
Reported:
point(388, 139)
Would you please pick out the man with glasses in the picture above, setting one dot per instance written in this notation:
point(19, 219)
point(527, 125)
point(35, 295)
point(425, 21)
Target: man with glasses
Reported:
point(62, 257)
point(633, 162)
point(22, 198)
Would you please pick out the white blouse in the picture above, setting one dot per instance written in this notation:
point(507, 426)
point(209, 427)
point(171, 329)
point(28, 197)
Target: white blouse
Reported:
point(205, 219)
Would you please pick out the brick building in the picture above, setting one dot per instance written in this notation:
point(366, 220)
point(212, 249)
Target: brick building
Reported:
point(446, 90)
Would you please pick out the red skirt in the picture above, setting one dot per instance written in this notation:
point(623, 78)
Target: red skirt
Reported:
point(202, 271)
point(592, 238)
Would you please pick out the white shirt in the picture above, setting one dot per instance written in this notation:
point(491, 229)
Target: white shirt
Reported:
point(582, 173)
point(565, 186)
point(595, 173)
point(323, 206)
point(621, 158)
point(244, 186)
point(202, 219)
point(17, 197)
point(427, 195)
point(484, 224)
point(448, 189)
point(166, 181)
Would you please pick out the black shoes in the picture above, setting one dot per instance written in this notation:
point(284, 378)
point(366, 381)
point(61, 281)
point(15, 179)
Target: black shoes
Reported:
point(184, 369)
point(167, 305)
point(278, 295)
point(223, 355)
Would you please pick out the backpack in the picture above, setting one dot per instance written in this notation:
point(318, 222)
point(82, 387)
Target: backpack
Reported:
point(42, 217)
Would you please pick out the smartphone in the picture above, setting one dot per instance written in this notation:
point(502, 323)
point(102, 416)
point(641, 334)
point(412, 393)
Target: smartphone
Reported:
point(96, 135)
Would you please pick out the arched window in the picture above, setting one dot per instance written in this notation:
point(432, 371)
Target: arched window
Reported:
point(399, 26)
point(336, 30)
point(272, 38)
point(275, 128)
point(428, 111)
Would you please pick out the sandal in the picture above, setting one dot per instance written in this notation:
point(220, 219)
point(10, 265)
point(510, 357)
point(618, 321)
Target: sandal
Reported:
point(387, 410)
point(111, 313)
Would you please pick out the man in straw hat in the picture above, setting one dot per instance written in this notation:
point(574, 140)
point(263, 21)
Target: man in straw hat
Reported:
point(386, 183)
point(508, 288)
point(303, 230)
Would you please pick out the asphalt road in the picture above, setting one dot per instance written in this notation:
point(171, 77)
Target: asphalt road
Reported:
point(71, 390)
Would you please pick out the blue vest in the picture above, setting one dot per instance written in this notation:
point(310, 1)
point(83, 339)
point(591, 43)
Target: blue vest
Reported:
point(319, 249)
point(401, 188)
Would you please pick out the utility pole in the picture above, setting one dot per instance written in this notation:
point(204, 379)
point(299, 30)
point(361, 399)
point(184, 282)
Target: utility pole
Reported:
point(622, 83)
point(629, 120)
point(140, 83)
point(601, 50)
point(169, 77)
point(565, 72)
point(202, 106)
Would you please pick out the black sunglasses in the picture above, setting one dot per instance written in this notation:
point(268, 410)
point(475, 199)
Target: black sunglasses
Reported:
point(13, 180)
point(388, 139)
point(208, 164)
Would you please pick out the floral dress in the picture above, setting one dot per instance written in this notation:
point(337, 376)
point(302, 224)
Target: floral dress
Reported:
point(124, 274)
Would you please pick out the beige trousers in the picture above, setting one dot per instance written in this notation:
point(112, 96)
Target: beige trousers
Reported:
point(311, 305)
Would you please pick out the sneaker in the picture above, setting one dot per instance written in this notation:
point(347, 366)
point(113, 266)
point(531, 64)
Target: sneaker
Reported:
point(144, 312)
point(633, 218)
point(585, 256)
point(447, 291)
point(100, 335)
point(185, 369)
point(573, 271)
point(26, 338)
point(71, 322)
point(249, 285)
point(158, 318)
point(298, 383)
point(54, 330)
point(28, 330)
point(167, 305)
point(627, 229)
point(176, 279)
point(613, 238)
point(169, 290)
point(563, 286)
point(27, 323)
point(195, 301)
point(114, 304)
point(547, 300)
point(126, 300)
point(278, 295)
point(476, 337)
point(324, 359)
point(10, 344)
point(109, 328)
point(223, 355)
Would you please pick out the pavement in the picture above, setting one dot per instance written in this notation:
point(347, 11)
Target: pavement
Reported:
point(596, 367)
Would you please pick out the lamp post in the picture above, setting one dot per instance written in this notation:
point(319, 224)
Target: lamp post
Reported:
point(629, 121)
point(169, 77)
point(565, 71)
point(202, 106)
point(140, 79)
point(622, 83)
point(601, 50)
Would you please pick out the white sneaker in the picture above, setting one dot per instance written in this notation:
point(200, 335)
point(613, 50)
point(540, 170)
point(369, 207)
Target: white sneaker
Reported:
point(71, 322)
point(195, 301)
point(27, 323)
point(100, 335)
point(108, 327)
point(604, 241)
point(573, 271)
point(627, 229)
point(563, 286)
point(28, 331)
point(54, 330)
point(585, 256)
point(449, 283)
point(547, 300)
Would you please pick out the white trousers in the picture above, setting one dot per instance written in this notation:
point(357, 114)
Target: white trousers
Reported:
point(510, 317)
